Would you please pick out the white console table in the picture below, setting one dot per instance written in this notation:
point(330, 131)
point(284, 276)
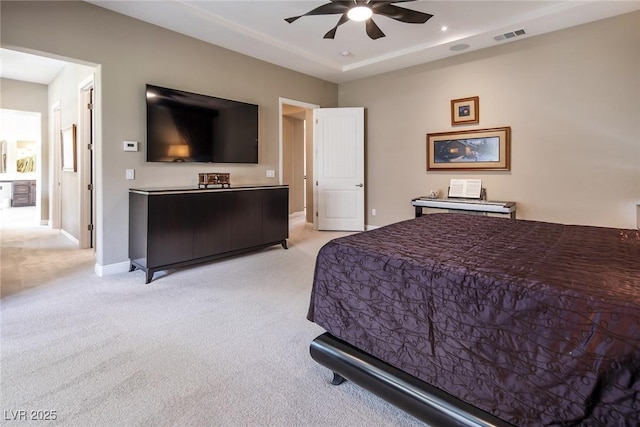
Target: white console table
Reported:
point(465, 205)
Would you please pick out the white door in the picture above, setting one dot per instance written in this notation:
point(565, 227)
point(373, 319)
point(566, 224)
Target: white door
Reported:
point(339, 171)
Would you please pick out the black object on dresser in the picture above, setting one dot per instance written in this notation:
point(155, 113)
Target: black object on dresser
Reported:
point(171, 228)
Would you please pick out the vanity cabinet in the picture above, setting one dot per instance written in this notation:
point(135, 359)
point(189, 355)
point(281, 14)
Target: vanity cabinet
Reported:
point(24, 193)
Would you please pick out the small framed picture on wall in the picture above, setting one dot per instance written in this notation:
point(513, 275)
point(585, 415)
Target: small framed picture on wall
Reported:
point(69, 149)
point(465, 111)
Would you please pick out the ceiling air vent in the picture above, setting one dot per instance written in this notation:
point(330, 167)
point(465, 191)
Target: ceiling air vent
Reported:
point(509, 35)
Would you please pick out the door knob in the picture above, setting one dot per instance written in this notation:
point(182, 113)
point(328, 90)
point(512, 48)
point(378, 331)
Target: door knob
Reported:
point(359, 185)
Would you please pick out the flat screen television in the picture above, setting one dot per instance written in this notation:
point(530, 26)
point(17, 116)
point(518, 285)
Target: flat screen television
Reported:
point(189, 127)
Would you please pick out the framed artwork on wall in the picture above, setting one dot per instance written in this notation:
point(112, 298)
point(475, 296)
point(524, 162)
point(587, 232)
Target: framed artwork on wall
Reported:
point(68, 138)
point(465, 111)
point(479, 149)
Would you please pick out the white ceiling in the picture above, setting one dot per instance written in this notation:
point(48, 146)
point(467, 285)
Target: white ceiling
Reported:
point(257, 28)
point(27, 67)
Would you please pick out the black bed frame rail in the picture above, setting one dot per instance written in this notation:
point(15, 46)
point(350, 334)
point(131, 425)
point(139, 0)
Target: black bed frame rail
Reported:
point(423, 401)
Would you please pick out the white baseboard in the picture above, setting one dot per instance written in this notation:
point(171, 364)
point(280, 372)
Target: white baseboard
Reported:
point(70, 237)
point(44, 222)
point(371, 227)
point(107, 270)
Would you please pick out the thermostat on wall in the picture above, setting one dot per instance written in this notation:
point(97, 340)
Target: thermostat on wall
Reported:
point(130, 145)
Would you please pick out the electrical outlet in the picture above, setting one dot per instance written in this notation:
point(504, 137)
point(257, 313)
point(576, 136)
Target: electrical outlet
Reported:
point(373, 212)
point(131, 174)
point(271, 173)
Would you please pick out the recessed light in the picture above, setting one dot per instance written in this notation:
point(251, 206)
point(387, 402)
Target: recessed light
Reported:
point(444, 28)
point(345, 53)
point(459, 47)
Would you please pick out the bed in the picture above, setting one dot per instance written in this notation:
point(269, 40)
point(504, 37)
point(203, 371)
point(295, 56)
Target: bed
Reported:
point(474, 320)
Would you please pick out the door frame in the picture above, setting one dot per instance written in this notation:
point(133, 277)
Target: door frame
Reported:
point(55, 205)
point(86, 167)
point(281, 102)
point(310, 172)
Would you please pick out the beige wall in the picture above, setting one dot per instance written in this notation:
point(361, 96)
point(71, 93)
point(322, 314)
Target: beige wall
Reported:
point(32, 97)
point(64, 89)
point(129, 54)
point(572, 99)
point(293, 160)
point(308, 117)
point(296, 133)
point(298, 165)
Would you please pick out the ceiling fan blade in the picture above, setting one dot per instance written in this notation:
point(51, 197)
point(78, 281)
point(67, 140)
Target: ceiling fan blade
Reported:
point(373, 31)
point(400, 13)
point(332, 32)
point(326, 9)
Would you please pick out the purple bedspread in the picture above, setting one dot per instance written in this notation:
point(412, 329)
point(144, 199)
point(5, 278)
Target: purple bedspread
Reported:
point(535, 323)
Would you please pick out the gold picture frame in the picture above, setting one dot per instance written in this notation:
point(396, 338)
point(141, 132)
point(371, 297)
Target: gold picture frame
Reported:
point(68, 138)
point(465, 111)
point(480, 149)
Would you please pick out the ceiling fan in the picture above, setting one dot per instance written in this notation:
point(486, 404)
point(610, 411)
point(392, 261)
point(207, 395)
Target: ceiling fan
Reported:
point(363, 10)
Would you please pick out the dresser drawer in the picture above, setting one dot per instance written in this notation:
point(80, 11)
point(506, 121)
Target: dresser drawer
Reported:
point(20, 199)
point(20, 189)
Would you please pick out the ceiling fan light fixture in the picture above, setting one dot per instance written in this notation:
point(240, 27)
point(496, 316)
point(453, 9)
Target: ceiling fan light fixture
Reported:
point(363, 10)
point(359, 13)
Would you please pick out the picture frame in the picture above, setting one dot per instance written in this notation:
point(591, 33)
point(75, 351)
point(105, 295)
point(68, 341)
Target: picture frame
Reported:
point(69, 158)
point(465, 111)
point(470, 150)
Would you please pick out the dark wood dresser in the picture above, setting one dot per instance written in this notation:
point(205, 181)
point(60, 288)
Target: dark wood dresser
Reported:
point(171, 228)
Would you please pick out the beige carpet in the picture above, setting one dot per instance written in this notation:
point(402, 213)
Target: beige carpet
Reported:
point(221, 344)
